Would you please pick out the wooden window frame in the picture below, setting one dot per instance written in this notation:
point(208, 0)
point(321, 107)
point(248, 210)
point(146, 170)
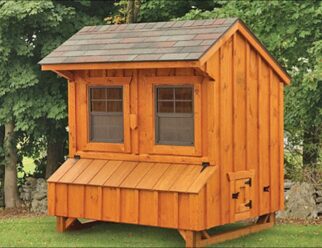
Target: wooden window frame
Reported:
point(151, 82)
point(84, 88)
point(104, 113)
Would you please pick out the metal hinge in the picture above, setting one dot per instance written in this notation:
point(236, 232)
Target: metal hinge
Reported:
point(249, 182)
point(76, 156)
point(249, 204)
point(235, 195)
point(266, 189)
point(204, 166)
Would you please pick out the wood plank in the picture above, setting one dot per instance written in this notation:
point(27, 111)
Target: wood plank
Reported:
point(75, 171)
point(274, 146)
point(217, 127)
point(51, 199)
point(88, 174)
point(134, 109)
point(281, 142)
point(229, 235)
point(111, 204)
point(212, 199)
point(153, 176)
point(148, 207)
point(201, 179)
point(104, 174)
point(136, 175)
point(76, 201)
point(61, 199)
point(168, 209)
point(197, 210)
point(81, 110)
point(252, 122)
point(143, 157)
point(120, 174)
point(184, 218)
point(225, 121)
point(72, 118)
point(61, 171)
point(186, 178)
point(169, 177)
point(93, 200)
point(239, 103)
point(129, 206)
point(264, 159)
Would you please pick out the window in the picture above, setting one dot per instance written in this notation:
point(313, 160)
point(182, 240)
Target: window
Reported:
point(106, 114)
point(174, 115)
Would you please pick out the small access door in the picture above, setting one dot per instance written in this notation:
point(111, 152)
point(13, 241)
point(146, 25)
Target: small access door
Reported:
point(241, 189)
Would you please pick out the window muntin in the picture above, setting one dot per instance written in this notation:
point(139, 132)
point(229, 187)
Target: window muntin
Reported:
point(174, 115)
point(106, 114)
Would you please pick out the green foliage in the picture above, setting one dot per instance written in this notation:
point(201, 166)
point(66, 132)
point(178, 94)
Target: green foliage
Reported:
point(165, 10)
point(35, 100)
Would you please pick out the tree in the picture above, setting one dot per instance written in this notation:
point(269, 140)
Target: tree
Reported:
point(33, 103)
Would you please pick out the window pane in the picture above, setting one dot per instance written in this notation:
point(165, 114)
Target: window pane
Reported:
point(98, 106)
point(183, 107)
point(166, 107)
point(114, 106)
point(165, 93)
point(98, 93)
point(107, 128)
point(175, 130)
point(183, 93)
point(114, 93)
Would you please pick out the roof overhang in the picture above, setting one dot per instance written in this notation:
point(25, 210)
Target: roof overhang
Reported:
point(66, 70)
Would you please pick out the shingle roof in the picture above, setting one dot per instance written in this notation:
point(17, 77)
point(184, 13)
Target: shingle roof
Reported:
point(159, 41)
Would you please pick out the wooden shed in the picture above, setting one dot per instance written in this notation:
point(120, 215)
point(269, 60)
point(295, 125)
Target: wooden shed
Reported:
point(171, 124)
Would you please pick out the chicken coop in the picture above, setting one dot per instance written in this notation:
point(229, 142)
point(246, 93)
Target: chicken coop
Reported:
point(171, 124)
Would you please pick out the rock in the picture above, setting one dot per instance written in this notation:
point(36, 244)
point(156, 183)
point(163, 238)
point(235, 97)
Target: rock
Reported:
point(39, 196)
point(319, 193)
point(300, 202)
point(319, 210)
point(34, 194)
point(30, 182)
point(288, 184)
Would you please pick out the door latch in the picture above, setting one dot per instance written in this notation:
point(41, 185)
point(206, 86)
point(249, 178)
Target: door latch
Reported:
point(235, 195)
point(266, 189)
point(249, 204)
point(249, 182)
point(204, 166)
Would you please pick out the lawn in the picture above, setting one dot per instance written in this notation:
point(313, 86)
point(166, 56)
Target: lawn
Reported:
point(40, 231)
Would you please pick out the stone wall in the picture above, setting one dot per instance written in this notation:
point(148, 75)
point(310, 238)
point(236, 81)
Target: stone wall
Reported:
point(302, 201)
point(33, 194)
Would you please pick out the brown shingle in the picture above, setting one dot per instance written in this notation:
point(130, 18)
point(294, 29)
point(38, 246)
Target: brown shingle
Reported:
point(162, 41)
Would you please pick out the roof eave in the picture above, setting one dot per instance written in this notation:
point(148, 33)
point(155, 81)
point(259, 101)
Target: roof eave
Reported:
point(253, 40)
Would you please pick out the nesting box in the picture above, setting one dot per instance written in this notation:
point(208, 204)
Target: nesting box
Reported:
point(172, 124)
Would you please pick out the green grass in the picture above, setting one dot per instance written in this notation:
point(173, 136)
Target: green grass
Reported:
point(40, 231)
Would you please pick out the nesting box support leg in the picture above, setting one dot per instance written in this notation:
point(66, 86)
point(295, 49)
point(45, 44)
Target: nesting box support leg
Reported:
point(64, 224)
point(203, 238)
point(191, 238)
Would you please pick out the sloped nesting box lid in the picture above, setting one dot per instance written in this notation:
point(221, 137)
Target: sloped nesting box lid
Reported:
point(185, 178)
